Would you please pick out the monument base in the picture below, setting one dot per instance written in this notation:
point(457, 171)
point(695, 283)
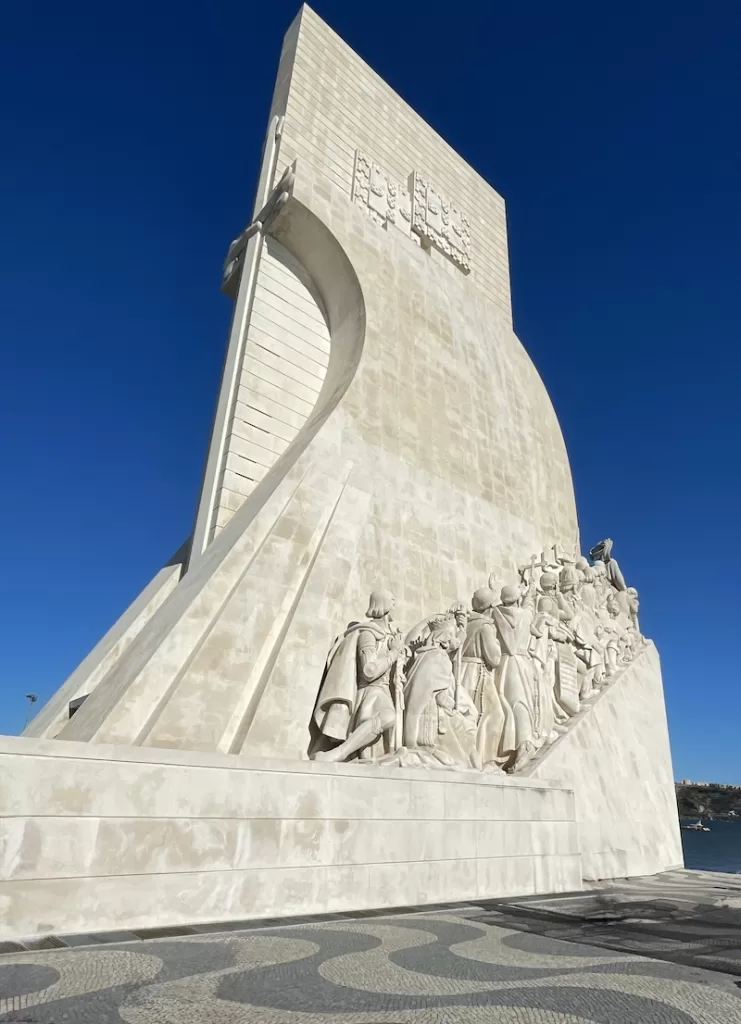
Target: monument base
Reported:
point(107, 838)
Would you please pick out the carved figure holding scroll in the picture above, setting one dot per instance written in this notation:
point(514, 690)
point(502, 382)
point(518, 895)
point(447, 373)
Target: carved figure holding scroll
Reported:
point(355, 707)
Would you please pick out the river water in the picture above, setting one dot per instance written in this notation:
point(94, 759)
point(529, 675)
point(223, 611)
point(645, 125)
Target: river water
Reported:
point(717, 850)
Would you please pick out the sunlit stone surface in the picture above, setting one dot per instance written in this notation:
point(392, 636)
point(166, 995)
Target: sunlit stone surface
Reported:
point(495, 726)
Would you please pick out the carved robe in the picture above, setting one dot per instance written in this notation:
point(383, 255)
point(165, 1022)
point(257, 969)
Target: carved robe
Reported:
point(581, 623)
point(357, 666)
point(611, 629)
point(546, 631)
point(591, 596)
point(515, 678)
point(433, 726)
point(614, 574)
point(479, 658)
point(430, 676)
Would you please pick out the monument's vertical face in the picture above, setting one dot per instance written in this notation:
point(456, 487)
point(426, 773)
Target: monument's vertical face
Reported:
point(334, 105)
point(380, 424)
point(446, 422)
point(379, 428)
point(355, 136)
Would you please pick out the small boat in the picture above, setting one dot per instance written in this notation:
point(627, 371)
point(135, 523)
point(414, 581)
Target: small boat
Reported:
point(696, 827)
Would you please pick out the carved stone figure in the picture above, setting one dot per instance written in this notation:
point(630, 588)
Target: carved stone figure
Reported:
point(582, 566)
point(547, 631)
point(419, 633)
point(613, 624)
point(480, 655)
point(581, 626)
point(601, 583)
point(513, 619)
point(603, 552)
point(355, 708)
point(439, 728)
point(548, 584)
point(633, 607)
point(615, 609)
point(589, 594)
point(480, 689)
point(429, 685)
point(572, 670)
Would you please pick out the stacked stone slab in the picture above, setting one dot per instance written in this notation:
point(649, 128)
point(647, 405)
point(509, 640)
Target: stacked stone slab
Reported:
point(379, 424)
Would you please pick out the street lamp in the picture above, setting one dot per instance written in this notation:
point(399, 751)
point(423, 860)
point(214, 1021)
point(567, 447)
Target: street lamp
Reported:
point(31, 698)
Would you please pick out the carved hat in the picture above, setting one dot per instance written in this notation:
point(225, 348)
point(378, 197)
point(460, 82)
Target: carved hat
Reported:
point(569, 576)
point(549, 581)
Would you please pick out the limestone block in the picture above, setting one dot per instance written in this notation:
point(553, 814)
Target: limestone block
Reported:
point(298, 406)
point(263, 418)
point(271, 370)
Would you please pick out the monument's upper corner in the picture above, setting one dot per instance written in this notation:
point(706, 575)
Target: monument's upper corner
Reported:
point(346, 124)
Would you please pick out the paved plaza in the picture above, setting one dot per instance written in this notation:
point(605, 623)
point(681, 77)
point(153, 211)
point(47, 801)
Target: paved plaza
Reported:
point(542, 961)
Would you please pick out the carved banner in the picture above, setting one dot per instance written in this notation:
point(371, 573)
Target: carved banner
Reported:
point(567, 680)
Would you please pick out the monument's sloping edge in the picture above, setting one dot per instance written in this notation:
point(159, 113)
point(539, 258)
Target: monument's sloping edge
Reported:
point(618, 761)
point(94, 667)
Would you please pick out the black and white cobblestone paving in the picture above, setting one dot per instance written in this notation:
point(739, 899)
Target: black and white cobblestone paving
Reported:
point(472, 964)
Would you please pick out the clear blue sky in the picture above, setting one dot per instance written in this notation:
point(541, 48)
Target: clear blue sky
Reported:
point(131, 136)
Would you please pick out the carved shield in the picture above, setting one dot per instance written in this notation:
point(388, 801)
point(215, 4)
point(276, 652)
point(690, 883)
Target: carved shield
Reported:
point(567, 680)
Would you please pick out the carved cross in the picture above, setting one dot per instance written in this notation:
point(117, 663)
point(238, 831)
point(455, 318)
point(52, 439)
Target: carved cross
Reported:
point(544, 564)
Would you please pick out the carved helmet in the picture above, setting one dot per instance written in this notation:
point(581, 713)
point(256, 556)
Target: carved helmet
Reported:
point(569, 576)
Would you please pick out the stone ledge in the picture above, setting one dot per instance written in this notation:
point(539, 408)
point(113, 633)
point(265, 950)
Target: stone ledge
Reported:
point(21, 746)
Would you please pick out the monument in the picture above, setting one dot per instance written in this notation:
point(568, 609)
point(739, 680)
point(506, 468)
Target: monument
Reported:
point(256, 736)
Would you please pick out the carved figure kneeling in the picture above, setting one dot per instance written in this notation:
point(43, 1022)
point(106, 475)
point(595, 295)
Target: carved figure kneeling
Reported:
point(355, 708)
point(439, 729)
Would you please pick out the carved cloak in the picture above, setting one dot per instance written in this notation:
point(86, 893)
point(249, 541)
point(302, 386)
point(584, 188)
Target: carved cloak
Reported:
point(338, 694)
point(516, 677)
point(431, 673)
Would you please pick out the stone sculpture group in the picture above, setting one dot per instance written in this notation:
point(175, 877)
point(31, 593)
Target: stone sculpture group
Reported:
point(479, 688)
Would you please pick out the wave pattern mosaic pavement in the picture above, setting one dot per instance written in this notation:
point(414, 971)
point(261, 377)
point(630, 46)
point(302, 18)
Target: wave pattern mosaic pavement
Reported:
point(416, 969)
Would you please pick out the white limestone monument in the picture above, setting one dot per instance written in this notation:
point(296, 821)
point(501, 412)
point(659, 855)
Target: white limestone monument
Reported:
point(380, 672)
